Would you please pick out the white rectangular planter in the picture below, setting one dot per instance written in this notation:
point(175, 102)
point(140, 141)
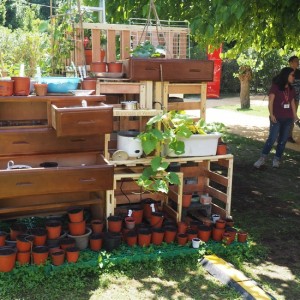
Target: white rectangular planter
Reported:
point(199, 145)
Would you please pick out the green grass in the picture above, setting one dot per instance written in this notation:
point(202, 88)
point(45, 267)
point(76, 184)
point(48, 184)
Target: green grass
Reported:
point(254, 110)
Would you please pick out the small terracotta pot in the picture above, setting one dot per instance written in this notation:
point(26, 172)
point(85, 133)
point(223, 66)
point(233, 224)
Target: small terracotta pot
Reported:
point(242, 236)
point(96, 240)
point(227, 239)
point(186, 200)
point(53, 228)
point(181, 227)
point(24, 242)
point(7, 259)
point(220, 223)
point(191, 234)
point(115, 67)
point(6, 87)
point(114, 223)
point(98, 67)
point(75, 214)
point(147, 210)
point(77, 228)
point(67, 242)
point(72, 254)
point(207, 222)
point(97, 226)
point(182, 239)
point(170, 234)
point(40, 236)
point(131, 238)
point(2, 238)
point(16, 229)
point(130, 223)
point(194, 224)
point(58, 257)
point(156, 219)
point(21, 86)
point(144, 237)
point(41, 89)
point(157, 236)
point(40, 254)
point(217, 234)
point(232, 232)
point(229, 222)
point(204, 233)
point(89, 84)
point(221, 149)
point(24, 257)
point(137, 214)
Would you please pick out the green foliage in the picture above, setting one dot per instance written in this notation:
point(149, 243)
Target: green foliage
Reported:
point(229, 83)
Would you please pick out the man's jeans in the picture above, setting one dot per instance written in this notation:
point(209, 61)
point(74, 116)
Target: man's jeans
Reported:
point(281, 129)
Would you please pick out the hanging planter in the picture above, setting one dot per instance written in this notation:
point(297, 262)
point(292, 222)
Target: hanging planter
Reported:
point(7, 259)
point(58, 257)
point(157, 236)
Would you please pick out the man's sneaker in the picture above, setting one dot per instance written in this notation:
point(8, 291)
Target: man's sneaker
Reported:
point(261, 161)
point(275, 163)
point(291, 140)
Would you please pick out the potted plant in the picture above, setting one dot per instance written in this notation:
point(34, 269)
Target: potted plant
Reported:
point(173, 140)
point(146, 49)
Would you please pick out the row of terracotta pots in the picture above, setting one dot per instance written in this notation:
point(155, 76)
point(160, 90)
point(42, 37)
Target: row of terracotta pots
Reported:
point(103, 67)
point(18, 86)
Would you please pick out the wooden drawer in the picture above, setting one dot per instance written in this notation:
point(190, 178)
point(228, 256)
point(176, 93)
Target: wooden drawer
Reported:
point(80, 121)
point(39, 141)
point(173, 70)
point(91, 173)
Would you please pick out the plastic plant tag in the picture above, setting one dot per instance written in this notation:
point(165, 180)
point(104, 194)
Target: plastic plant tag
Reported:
point(129, 213)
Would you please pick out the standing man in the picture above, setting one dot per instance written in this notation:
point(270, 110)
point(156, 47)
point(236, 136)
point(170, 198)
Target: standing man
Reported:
point(294, 64)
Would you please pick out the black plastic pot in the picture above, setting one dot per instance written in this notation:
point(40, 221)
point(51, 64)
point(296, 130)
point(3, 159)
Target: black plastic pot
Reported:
point(111, 241)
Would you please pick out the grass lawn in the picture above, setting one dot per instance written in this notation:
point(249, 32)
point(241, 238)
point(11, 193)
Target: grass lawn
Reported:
point(254, 110)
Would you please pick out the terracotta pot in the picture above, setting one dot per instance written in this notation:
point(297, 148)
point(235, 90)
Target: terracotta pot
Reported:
point(16, 229)
point(147, 210)
point(98, 67)
point(41, 89)
point(186, 200)
point(227, 239)
point(194, 224)
point(157, 236)
point(77, 228)
point(40, 254)
point(181, 227)
point(6, 87)
point(192, 234)
point(115, 67)
point(72, 254)
point(131, 238)
point(170, 234)
point(2, 238)
point(58, 257)
point(137, 214)
point(88, 55)
point(75, 214)
point(23, 257)
point(229, 222)
point(129, 223)
point(21, 86)
point(217, 234)
point(114, 223)
point(207, 222)
point(97, 226)
point(242, 236)
point(144, 237)
point(204, 233)
point(220, 223)
point(156, 219)
point(96, 240)
point(182, 239)
point(67, 242)
point(7, 259)
point(54, 249)
point(232, 232)
point(40, 236)
point(221, 149)
point(53, 228)
point(89, 84)
point(24, 242)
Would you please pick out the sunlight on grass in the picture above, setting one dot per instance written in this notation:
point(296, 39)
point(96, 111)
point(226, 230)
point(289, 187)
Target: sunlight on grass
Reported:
point(254, 110)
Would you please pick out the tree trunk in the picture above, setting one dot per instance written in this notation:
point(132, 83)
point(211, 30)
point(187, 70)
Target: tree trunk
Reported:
point(245, 76)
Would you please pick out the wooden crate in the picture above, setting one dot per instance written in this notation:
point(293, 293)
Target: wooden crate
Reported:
point(174, 70)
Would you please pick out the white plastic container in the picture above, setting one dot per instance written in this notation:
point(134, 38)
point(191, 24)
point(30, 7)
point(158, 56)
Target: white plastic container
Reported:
point(199, 145)
point(128, 142)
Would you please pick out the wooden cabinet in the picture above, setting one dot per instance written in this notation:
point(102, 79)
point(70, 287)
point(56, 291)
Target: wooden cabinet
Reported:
point(35, 130)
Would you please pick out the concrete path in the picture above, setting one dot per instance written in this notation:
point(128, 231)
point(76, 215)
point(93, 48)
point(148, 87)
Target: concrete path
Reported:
point(243, 124)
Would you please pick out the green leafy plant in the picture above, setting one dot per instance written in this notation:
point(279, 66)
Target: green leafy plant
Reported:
point(176, 125)
point(146, 49)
